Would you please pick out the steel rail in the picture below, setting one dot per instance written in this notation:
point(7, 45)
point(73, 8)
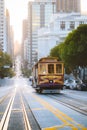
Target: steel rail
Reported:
point(5, 119)
point(69, 104)
point(29, 114)
point(26, 121)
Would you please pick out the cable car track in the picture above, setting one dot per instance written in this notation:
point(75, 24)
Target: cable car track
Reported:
point(25, 116)
point(26, 111)
point(30, 118)
point(6, 115)
point(5, 122)
point(71, 103)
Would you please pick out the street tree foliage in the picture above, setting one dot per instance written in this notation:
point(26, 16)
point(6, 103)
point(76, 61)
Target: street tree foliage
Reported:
point(73, 51)
point(5, 65)
point(25, 70)
point(55, 52)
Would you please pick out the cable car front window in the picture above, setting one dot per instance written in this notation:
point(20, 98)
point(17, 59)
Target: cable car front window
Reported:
point(58, 68)
point(51, 68)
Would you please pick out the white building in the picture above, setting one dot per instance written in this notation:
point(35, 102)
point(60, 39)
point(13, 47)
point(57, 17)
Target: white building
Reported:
point(60, 26)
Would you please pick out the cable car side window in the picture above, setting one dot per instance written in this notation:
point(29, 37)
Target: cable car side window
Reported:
point(51, 68)
point(42, 68)
point(58, 68)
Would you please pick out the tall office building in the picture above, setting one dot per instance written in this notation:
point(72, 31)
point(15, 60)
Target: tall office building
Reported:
point(9, 35)
point(12, 42)
point(39, 13)
point(2, 27)
point(68, 6)
point(24, 35)
point(8, 32)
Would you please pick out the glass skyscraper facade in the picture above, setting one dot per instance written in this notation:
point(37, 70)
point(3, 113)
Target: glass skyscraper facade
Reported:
point(2, 26)
point(39, 14)
point(68, 6)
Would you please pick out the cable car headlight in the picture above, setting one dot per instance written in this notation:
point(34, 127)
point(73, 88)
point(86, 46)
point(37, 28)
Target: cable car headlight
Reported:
point(50, 81)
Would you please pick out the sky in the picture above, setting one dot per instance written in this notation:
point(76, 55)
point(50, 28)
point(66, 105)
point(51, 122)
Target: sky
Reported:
point(18, 10)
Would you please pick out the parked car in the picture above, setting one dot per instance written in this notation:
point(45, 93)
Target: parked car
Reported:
point(81, 86)
point(85, 82)
point(70, 83)
point(75, 84)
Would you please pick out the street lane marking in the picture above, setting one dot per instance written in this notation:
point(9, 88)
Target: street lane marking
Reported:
point(67, 121)
point(56, 128)
point(5, 119)
point(39, 109)
point(1, 113)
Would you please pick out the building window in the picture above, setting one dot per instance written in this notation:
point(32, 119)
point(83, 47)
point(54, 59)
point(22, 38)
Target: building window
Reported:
point(72, 25)
point(81, 22)
point(62, 25)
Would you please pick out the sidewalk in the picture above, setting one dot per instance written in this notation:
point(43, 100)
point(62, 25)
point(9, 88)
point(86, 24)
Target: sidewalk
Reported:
point(6, 82)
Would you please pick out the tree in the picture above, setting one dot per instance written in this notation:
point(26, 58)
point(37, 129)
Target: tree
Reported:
point(25, 70)
point(75, 48)
point(73, 51)
point(55, 52)
point(5, 65)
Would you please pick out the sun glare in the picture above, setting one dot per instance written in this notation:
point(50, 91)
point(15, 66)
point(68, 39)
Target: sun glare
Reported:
point(18, 10)
point(84, 5)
